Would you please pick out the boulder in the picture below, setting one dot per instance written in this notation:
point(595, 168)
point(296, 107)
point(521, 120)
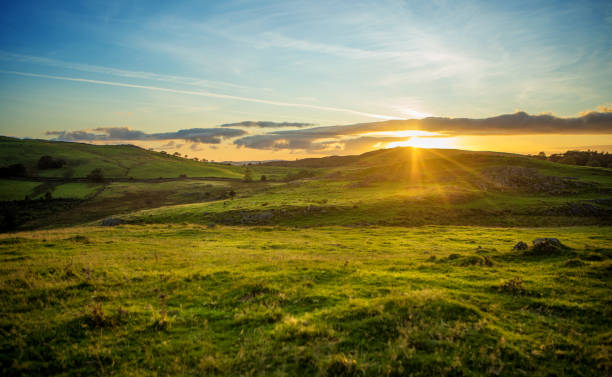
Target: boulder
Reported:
point(111, 221)
point(520, 246)
point(547, 245)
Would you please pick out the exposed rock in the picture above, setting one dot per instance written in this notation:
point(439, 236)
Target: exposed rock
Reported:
point(517, 178)
point(112, 221)
point(547, 245)
point(520, 246)
point(577, 209)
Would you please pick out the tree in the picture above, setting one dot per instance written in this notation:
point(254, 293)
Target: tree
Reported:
point(15, 170)
point(96, 175)
point(248, 175)
point(48, 162)
point(542, 155)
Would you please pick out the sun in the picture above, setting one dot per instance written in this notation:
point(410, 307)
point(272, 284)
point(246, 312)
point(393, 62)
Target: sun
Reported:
point(425, 142)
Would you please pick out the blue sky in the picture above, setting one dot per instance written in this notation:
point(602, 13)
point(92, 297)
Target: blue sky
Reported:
point(165, 66)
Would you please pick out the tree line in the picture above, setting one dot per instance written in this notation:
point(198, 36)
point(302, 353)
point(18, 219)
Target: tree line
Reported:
point(582, 158)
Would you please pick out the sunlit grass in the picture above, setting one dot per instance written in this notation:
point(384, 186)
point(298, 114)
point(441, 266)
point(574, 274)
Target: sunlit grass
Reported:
point(188, 299)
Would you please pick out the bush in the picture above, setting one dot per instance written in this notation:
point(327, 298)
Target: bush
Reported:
point(248, 175)
point(299, 175)
point(96, 175)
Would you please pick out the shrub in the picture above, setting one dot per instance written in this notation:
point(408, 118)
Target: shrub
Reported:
point(96, 175)
point(48, 162)
point(248, 175)
point(299, 175)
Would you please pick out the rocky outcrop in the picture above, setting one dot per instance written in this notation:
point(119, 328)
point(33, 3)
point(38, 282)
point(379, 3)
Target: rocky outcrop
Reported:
point(517, 178)
point(520, 246)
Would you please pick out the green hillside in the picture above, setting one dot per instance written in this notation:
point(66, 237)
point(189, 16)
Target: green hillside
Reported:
point(401, 186)
point(116, 161)
point(406, 186)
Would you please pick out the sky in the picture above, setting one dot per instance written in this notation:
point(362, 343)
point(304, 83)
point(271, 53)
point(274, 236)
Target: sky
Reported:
point(258, 80)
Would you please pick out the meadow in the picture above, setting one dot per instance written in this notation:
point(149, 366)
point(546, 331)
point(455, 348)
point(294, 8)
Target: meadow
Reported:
point(197, 300)
point(396, 262)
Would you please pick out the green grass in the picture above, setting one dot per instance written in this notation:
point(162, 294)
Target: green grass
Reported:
point(76, 190)
point(117, 161)
point(15, 190)
point(393, 263)
point(332, 202)
point(260, 301)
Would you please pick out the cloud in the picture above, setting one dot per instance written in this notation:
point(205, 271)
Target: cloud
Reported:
point(519, 123)
point(196, 147)
point(195, 135)
point(606, 108)
point(265, 124)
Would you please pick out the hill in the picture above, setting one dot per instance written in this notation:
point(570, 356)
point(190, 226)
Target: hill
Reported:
point(132, 178)
point(400, 186)
point(116, 161)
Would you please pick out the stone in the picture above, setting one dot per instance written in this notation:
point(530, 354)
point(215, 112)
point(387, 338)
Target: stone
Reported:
point(520, 246)
point(111, 221)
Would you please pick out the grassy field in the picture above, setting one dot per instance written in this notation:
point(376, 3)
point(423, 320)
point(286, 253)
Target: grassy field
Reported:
point(272, 301)
point(392, 263)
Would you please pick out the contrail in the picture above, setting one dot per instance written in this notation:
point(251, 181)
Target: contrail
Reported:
point(200, 93)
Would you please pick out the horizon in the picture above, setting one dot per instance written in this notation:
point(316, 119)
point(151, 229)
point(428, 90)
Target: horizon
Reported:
point(244, 81)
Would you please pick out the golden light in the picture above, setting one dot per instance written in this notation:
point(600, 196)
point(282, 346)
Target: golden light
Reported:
point(405, 133)
point(425, 142)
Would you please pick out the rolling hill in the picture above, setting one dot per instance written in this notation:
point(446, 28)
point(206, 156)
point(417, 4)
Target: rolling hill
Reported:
point(117, 161)
point(400, 186)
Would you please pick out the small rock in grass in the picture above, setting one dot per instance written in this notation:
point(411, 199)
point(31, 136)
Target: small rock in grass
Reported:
point(547, 245)
point(520, 246)
point(111, 221)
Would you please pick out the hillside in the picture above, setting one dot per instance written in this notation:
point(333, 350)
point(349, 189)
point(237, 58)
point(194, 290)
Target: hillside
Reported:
point(401, 186)
point(116, 161)
point(132, 178)
point(412, 187)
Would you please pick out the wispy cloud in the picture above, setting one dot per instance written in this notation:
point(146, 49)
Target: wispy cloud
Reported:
point(195, 135)
point(201, 93)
